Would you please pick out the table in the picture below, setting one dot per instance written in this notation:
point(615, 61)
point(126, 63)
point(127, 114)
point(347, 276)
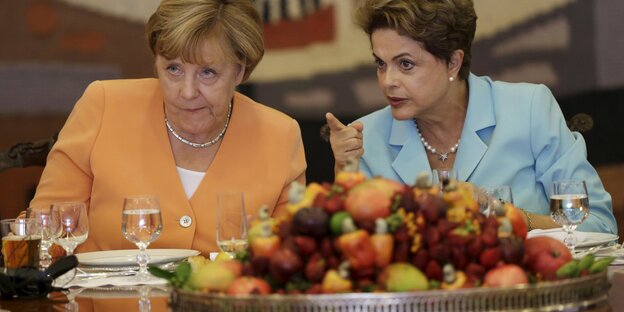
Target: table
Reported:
point(155, 299)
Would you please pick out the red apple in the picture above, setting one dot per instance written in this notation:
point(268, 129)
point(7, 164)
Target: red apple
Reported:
point(505, 275)
point(247, 285)
point(545, 255)
point(535, 245)
point(546, 263)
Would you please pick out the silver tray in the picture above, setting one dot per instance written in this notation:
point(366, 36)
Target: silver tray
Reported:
point(578, 294)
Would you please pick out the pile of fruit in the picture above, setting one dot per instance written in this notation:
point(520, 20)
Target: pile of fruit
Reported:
point(363, 235)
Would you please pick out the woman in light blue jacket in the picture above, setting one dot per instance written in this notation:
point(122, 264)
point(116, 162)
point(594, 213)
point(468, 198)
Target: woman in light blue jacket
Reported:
point(441, 116)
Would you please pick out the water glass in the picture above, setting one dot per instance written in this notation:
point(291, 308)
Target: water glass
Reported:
point(141, 224)
point(20, 242)
point(569, 207)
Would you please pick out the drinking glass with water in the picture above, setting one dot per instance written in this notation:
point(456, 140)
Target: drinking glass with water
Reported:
point(569, 207)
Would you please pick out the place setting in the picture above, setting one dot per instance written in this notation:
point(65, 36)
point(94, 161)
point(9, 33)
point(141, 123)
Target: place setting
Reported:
point(141, 225)
point(569, 207)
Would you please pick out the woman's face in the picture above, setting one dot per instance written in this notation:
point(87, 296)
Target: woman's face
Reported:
point(197, 96)
point(414, 81)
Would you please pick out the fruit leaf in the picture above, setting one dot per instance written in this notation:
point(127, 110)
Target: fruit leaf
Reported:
point(434, 284)
point(394, 221)
point(242, 256)
point(183, 272)
point(336, 189)
point(158, 272)
point(298, 284)
point(368, 288)
point(396, 203)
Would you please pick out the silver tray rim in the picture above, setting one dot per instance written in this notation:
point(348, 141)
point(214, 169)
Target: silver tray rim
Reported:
point(475, 291)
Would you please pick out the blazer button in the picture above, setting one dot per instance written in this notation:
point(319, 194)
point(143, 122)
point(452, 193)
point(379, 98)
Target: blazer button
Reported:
point(186, 221)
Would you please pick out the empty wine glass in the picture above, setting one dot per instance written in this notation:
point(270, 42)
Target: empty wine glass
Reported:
point(569, 207)
point(231, 222)
point(43, 216)
point(141, 224)
point(69, 225)
point(497, 196)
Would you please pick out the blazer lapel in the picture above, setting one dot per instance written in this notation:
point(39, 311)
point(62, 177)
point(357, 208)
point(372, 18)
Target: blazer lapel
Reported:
point(407, 165)
point(480, 115)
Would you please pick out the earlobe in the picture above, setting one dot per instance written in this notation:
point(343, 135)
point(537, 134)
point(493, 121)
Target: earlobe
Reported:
point(455, 62)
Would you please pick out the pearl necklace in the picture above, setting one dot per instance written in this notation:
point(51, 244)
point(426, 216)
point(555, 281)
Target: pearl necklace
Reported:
point(201, 145)
point(441, 156)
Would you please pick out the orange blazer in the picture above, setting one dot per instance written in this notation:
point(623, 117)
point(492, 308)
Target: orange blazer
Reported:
point(115, 143)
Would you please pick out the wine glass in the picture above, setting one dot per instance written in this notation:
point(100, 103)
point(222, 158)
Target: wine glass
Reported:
point(497, 197)
point(569, 207)
point(69, 225)
point(141, 224)
point(442, 177)
point(43, 216)
point(231, 222)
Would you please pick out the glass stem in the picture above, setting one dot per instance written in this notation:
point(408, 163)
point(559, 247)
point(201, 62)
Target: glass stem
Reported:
point(145, 305)
point(142, 260)
point(570, 239)
point(44, 256)
point(68, 250)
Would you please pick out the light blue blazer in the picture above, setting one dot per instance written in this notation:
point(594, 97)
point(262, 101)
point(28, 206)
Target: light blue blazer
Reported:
point(514, 134)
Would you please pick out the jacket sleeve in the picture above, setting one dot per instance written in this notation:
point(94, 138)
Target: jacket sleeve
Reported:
point(296, 166)
point(67, 175)
point(561, 155)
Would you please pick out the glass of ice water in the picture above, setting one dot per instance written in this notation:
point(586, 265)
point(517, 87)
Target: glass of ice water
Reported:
point(141, 224)
point(569, 207)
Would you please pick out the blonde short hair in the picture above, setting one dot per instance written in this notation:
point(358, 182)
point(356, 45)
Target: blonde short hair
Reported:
point(180, 28)
point(443, 26)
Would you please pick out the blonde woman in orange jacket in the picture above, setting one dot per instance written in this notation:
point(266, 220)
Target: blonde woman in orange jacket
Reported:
point(183, 137)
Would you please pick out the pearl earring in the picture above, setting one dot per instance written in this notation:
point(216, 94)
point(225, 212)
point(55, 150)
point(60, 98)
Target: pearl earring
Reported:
point(451, 79)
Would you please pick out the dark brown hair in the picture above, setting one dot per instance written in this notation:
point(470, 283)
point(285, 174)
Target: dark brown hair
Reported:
point(443, 26)
point(179, 28)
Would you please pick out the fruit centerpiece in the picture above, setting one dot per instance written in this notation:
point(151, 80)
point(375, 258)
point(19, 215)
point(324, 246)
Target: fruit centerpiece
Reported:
point(375, 236)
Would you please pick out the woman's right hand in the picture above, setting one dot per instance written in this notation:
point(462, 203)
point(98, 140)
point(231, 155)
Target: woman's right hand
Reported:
point(346, 141)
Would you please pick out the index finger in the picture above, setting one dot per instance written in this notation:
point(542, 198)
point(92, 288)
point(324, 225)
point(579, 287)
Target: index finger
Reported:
point(333, 122)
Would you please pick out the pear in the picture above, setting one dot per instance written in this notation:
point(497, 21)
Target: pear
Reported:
point(402, 276)
point(211, 276)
